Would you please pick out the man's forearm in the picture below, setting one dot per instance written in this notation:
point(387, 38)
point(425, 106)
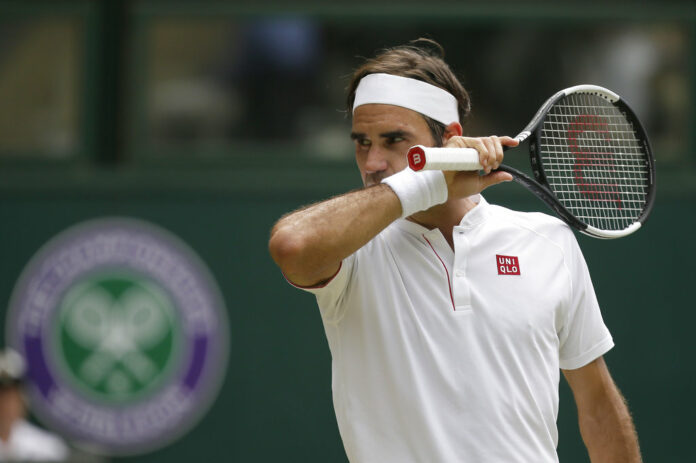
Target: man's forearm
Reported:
point(605, 423)
point(310, 243)
point(608, 431)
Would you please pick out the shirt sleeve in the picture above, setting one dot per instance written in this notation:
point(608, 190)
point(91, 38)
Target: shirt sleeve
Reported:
point(583, 336)
point(331, 293)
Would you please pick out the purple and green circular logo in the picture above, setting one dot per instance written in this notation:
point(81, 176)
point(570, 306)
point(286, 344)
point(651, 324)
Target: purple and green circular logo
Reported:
point(124, 332)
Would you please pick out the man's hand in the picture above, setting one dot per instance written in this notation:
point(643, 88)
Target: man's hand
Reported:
point(490, 149)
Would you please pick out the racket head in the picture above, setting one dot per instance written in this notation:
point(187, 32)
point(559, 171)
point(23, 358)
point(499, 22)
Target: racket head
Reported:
point(590, 151)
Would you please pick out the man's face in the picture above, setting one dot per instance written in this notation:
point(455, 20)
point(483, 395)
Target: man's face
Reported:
point(382, 135)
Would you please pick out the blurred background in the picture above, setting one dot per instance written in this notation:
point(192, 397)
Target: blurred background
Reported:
point(211, 119)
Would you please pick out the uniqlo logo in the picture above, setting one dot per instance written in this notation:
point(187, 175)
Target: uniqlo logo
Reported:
point(507, 265)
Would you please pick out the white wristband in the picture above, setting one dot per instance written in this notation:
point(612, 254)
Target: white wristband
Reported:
point(418, 191)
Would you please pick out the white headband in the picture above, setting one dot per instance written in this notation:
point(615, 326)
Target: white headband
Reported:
point(417, 95)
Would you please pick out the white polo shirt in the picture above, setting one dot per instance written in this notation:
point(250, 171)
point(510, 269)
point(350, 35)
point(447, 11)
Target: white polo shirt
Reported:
point(31, 443)
point(454, 356)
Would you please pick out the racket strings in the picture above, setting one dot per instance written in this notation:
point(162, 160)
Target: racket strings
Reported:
point(594, 161)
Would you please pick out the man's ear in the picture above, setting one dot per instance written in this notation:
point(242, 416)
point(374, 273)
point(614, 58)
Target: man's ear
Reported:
point(452, 130)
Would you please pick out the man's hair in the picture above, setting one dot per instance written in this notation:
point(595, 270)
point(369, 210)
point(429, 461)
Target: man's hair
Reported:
point(421, 59)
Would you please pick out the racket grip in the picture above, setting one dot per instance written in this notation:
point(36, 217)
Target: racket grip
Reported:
point(427, 158)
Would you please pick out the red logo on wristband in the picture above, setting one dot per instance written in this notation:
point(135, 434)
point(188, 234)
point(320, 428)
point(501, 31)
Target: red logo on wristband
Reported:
point(507, 265)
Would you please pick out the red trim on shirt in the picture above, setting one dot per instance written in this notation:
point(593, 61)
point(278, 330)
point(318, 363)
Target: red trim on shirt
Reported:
point(318, 285)
point(449, 284)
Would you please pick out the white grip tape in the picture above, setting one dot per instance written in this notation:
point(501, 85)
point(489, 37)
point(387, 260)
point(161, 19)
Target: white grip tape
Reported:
point(418, 191)
point(429, 158)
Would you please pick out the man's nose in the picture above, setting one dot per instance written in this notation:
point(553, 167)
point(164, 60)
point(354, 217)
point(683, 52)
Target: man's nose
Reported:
point(376, 160)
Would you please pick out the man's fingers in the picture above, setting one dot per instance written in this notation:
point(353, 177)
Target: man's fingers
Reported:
point(490, 149)
point(462, 184)
point(507, 141)
point(498, 151)
point(494, 155)
point(482, 149)
point(490, 155)
point(493, 179)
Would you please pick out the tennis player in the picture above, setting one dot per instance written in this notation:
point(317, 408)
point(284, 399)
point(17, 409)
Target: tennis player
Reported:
point(449, 319)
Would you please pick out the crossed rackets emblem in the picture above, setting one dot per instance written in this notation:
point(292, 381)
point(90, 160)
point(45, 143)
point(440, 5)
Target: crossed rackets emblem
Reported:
point(116, 332)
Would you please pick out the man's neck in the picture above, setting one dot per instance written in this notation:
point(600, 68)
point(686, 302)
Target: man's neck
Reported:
point(444, 216)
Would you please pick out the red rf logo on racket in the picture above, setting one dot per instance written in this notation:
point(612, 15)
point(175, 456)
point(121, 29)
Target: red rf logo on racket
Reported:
point(507, 265)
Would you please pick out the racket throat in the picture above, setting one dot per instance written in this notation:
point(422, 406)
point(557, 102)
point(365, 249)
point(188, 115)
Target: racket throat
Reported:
point(545, 195)
point(522, 136)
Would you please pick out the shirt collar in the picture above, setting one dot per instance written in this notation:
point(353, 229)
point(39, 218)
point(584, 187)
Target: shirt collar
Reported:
point(474, 217)
point(477, 215)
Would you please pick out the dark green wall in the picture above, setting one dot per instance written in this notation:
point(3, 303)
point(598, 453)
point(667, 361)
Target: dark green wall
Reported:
point(275, 404)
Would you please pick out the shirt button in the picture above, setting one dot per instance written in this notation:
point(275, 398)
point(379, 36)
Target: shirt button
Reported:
point(458, 273)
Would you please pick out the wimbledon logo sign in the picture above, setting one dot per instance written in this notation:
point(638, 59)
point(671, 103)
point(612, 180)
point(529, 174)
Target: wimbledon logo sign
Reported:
point(124, 332)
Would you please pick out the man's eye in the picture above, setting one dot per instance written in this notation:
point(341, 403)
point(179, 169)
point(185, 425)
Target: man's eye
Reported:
point(392, 140)
point(363, 142)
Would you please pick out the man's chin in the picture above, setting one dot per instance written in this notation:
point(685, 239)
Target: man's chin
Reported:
point(374, 180)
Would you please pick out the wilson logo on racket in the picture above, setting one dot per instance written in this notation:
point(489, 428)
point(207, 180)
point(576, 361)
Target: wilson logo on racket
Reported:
point(587, 135)
point(507, 265)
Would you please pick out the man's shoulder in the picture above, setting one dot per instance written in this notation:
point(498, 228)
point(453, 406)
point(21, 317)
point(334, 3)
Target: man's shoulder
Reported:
point(39, 442)
point(34, 433)
point(543, 225)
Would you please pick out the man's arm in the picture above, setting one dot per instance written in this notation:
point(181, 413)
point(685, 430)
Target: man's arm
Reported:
point(309, 244)
point(605, 423)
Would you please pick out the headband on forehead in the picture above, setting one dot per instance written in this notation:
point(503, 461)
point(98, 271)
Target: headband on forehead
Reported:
point(414, 94)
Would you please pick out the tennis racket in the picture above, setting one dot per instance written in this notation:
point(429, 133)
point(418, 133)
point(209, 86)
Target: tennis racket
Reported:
point(590, 156)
